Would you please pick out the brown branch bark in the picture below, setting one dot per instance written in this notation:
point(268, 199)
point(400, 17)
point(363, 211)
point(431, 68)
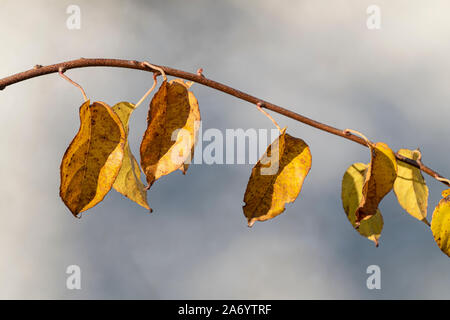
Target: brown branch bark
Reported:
point(39, 70)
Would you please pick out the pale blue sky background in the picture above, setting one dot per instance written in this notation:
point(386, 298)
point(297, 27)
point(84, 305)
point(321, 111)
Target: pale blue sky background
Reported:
point(314, 57)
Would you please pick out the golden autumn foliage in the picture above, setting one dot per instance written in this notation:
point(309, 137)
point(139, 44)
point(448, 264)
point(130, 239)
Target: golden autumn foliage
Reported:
point(410, 187)
point(99, 158)
point(379, 180)
point(440, 225)
point(173, 123)
point(93, 159)
point(277, 178)
point(352, 193)
point(128, 181)
point(445, 193)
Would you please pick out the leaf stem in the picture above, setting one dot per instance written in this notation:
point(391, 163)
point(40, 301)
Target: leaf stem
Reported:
point(201, 79)
point(348, 131)
point(148, 92)
point(259, 105)
point(161, 70)
point(447, 181)
point(61, 73)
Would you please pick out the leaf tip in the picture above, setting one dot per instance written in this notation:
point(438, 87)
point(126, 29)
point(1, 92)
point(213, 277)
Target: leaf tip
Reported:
point(424, 220)
point(146, 188)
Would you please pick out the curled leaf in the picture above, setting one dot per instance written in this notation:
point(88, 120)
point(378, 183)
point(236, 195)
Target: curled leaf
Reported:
point(128, 181)
point(379, 180)
point(92, 161)
point(410, 187)
point(277, 178)
point(440, 225)
point(352, 186)
point(173, 123)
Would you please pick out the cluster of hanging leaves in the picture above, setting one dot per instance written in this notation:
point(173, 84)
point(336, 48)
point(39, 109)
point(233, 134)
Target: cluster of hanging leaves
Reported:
point(99, 158)
point(364, 186)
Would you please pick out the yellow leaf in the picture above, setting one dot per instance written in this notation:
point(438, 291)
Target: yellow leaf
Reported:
point(440, 225)
point(410, 187)
point(173, 123)
point(128, 181)
point(277, 178)
point(379, 180)
point(446, 193)
point(93, 159)
point(352, 185)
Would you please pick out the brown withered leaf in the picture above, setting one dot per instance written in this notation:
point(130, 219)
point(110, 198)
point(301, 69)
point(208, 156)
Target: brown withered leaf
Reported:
point(352, 185)
point(173, 123)
point(128, 181)
point(277, 178)
point(379, 180)
point(92, 161)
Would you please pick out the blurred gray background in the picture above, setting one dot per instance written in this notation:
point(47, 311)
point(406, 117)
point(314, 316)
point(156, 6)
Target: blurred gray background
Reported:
point(317, 58)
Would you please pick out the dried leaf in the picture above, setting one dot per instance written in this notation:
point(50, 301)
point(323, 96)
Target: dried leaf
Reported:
point(410, 187)
point(93, 159)
point(173, 123)
point(128, 181)
point(277, 178)
point(440, 225)
point(352, 186)
point(379, 180)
